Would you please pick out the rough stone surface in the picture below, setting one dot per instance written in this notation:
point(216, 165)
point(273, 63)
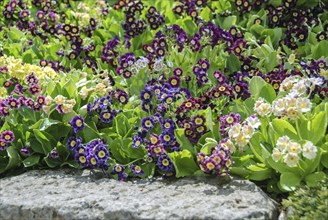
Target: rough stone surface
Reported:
point(81, 195)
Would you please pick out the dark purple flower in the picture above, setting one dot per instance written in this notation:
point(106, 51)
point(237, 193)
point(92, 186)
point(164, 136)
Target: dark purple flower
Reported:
point(77, 123)
point(136, 170)
point(118, 169)
point(34, 89)
point(165, 163)
point(73, 142)
point(3, 145)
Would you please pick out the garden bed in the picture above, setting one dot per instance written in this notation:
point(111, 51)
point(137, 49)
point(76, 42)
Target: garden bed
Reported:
point(173, 89)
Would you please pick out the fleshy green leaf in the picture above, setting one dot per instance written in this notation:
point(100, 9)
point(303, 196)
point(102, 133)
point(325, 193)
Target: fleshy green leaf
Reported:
point(184, 163)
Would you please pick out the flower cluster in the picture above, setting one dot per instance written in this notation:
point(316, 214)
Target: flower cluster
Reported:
point(133, 25)
point(109, 53)
point(295, 102)
point(15, 68)
point(154, 18)
point(103, 108)
point(241, 133)
point(219, 161)
point(200, 71)
point(60, 102)
point(127, 66)
point(191, 8)
point(21, 94)
point(94, 154)
point(289, 151)
point(6, 137)
point(195, 128)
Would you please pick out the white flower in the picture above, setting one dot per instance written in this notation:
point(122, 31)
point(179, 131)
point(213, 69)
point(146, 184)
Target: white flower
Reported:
point(84, 92)
point(293, 113)
point(299, 88)
point(59, 99)
point(258, 103)
point(142, 62)
point(316, 81)
point(169, 63)
point(66, 108)
point(247, 131)
point(253, 121)
point(48, 100)
point(241, 140)
point(291, 159)
point(158, 65)
point(46, 109)
point(228, 145)
point(303, 104)
point(290, 102)
point(264, 109)
point(294, 147)
point(287, 84)
point(276, 154)
point(282, 143)
point(279, 107)
point(234, 130)
point(309, 150)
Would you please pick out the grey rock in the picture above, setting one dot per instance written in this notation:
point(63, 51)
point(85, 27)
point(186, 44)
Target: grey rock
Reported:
point(68, 194)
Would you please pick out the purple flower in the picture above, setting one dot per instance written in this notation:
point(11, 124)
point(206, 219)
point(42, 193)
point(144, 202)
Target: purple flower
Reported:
point(13, 103)
point(92, 161)
point(40, 15)
point(77, 124)
point(34, 89)
point(29, 102)
point(118, 169)
point(3, 145)
point(165, 163)
point(136, 141)
point(25, 151)
point(53, 154)
point(107, 116)
point(81, 159)
point(136, 170)
point(73, 142)
point(147, 123)
point(101, 152)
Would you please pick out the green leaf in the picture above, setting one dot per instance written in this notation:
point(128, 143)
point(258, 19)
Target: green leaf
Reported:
point(89, 133)
point(229, 21)
point(44, 123)
point(313, 179)
point(70, 88)
point(289, 181)
point(44, 140)
point(14, 158)
point(319, 50)
point(208, 147)
point(209, 119)
point(31, 160)
point(255, 86)
point(240, 171)
point(189, 26)
point(206, 14)
point(117, 152)
point(183, 140)
point(282, 127)
point(133, 153)
point(52, 162)
point(15, 35)
point(232, 63)
point(318, 127)
point(184, 163)
point(259, 173)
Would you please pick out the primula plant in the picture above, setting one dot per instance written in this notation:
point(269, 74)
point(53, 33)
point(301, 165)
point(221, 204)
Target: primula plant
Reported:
point(137, 88)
